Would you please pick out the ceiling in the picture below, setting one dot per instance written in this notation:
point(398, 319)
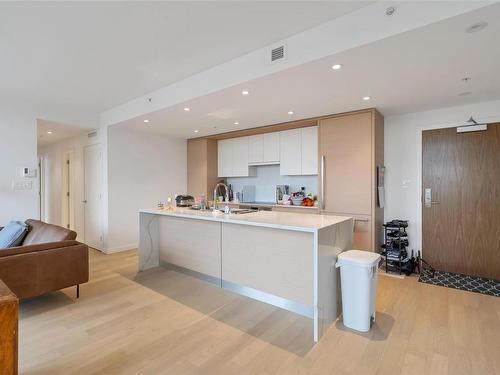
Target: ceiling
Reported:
point(96, 55)
point(418, 70)
point(58, 132)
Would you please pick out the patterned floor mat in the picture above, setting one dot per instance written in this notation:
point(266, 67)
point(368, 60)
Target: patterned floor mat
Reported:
point(462, 282)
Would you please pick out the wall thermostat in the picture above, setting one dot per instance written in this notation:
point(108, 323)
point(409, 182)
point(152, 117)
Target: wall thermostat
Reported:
point(29, 172)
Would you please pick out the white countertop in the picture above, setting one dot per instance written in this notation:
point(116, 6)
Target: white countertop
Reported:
point(272, 219)
point(268, 204)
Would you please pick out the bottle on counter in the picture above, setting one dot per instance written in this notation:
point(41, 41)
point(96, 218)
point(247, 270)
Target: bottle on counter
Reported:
point(170, 203)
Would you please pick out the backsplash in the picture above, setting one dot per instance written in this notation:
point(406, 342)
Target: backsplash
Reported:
point(268, 176)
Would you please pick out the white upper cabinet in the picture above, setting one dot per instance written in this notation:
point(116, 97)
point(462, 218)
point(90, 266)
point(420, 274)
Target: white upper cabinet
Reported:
point(232, 158)
point(295, 150)
point(309, 150)
point(290, 152)
point(272, 147)
point(256, 149)
point(240, 157)
point(299, 151)
point(224, 158)
point(264, 149)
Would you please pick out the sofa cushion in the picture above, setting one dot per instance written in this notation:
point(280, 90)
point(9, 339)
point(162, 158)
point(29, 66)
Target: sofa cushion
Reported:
point(40, 232)
point(12, 234)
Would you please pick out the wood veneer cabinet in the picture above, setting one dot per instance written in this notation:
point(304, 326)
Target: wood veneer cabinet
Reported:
point(350, 148)
point(9, 316)
point(202, 166)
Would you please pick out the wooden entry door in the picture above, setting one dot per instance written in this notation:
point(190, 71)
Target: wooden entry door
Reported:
point(461, 227)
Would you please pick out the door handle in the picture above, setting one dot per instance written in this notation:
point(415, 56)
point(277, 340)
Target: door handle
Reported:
point(428, 202)
point(322, 182)
point(85, 201)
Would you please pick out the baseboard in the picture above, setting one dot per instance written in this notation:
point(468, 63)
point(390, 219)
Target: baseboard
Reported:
point(118, 249)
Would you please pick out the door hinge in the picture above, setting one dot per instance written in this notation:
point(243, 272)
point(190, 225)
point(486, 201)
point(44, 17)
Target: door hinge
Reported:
point(67, 161)
point(67, 194)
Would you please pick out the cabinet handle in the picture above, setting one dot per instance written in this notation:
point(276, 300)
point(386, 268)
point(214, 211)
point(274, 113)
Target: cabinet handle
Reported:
point(323, 182)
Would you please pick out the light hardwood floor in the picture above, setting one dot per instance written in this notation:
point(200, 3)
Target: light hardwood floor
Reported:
point(162, 322)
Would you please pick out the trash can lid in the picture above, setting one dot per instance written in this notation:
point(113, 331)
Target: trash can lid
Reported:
point(358, 258)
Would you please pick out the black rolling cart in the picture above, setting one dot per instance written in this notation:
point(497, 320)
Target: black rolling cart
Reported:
point(394, 250)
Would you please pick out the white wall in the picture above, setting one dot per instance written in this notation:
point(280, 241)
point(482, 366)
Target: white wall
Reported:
point(268, 177)
point(403, 157)
point(52, 159)
point(142, 169)
point(17, 150)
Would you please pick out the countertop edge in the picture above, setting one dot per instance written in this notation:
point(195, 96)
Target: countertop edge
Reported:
point(224, 219)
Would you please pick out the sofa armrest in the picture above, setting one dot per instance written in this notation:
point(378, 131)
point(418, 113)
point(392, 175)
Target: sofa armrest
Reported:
point(37, 247)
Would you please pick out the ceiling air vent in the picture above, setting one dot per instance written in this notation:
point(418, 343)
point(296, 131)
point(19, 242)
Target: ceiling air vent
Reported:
point(277, 53)
point(92, 134)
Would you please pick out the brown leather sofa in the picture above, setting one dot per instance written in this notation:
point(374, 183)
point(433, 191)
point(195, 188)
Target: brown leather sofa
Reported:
point(48, 259)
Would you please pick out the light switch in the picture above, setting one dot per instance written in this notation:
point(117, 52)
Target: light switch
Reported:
point(22, 185)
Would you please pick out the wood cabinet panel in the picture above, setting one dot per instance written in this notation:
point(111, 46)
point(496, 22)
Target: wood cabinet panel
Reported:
point(192, 244)
point(202, 166)
point(9, 316)
point(346, 145)
point(274, 261)
point(363, 230)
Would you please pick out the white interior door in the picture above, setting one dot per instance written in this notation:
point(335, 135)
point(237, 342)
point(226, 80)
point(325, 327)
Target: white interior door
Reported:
point(92, 196)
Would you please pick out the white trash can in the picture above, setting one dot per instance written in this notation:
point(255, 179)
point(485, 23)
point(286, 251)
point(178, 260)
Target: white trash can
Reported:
point(358, 280)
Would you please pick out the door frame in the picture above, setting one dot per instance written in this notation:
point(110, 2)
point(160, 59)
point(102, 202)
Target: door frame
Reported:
point(68, 184)
point(100, 188)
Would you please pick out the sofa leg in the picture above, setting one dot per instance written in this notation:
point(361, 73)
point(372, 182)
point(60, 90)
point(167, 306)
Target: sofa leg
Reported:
point(78, 291)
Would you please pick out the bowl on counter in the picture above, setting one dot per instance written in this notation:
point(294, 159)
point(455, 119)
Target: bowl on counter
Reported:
point(297, 201)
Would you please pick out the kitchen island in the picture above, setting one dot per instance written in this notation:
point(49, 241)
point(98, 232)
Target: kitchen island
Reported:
point(284, 259)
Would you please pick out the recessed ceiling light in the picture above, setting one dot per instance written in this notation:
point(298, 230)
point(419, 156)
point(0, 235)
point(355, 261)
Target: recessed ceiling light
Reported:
point(196, 131)
point(290, 112)
point(236, 123)
point(187, 109)
point(476, 27)
point(146, 121)
point(366, 98)
point(337, 66)
point(245, 92)
point(49, 132)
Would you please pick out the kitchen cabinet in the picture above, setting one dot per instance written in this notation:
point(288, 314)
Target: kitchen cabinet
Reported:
point(290, 152)
point(225, 158)
point(299, 151)
point(264, 149)
point(256, 148)
point(202, 166)
point(309, 150)
point(272, 147)
point(240, 157)
point(232, 159)
point(350, 147)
